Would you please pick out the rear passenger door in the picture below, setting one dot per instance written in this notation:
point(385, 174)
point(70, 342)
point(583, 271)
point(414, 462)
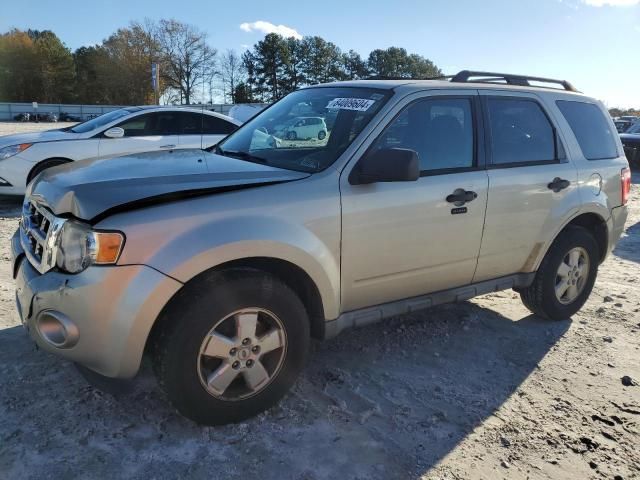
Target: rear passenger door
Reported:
point(532, 183)
point(403, 239)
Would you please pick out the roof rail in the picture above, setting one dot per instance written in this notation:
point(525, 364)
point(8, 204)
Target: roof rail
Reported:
point(510, 79)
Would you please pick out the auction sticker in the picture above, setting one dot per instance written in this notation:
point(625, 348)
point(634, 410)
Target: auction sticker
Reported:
point(358, 104)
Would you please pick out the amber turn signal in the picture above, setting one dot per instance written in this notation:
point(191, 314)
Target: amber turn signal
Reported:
point(108, 247)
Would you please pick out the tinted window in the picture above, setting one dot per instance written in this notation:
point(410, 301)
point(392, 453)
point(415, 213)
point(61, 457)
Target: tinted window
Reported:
point(136, 126)
point(190, 123)
point(217, 126)
point(591, 129)
point(163, 123)
point(520, 132)
point(440, 131)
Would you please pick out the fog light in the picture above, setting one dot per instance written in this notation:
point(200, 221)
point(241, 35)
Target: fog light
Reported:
point(57, 330)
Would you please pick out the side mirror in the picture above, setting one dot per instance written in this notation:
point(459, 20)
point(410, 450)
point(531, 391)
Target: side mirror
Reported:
point(387, 165)
point(114, 132)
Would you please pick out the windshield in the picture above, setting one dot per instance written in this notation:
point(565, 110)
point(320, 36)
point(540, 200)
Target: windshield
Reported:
point(100, 121)
point(307, 130)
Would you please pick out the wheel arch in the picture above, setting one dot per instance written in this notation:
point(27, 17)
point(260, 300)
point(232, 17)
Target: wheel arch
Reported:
point(590, 221)
point(54, 160)
point(288, 273)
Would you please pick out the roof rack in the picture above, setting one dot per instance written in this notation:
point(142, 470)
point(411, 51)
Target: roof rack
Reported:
point(509, 79)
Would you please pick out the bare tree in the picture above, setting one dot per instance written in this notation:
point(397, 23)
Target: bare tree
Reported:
point(188, 61)
point(232, 70)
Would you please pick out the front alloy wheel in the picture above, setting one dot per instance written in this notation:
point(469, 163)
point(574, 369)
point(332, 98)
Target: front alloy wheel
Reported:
point(241, 354)
point(230, 345)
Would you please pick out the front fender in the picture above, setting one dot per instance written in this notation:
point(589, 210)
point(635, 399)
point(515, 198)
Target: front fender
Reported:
point(195, 250)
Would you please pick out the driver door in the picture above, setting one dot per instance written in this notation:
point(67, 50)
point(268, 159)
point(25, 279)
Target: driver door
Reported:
point(404, 239)
point(144, 133)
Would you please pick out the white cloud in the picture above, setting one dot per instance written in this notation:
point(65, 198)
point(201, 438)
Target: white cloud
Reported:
point(268, 27)
point(612, 3)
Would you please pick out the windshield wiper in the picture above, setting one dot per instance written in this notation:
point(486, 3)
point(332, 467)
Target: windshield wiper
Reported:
point(241, 155)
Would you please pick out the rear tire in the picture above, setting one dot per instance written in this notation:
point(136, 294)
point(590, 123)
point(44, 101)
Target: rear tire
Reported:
point(547, 295)
point(203, 343)
point(40, 167)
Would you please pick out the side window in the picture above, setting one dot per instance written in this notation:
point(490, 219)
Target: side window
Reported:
point(163, 123)
point(190, 123)
point(590, 128)
point(520, 132)
point(136, 126)
point(217, 126)
point(439, 130)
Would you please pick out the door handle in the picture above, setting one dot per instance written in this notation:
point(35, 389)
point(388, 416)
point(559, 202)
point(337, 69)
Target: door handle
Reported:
point(168, 146)
point(558, 184)
point(461, 196)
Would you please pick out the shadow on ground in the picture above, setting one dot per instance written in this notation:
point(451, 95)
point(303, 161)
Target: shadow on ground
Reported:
point(10, 206)
point(386, 401)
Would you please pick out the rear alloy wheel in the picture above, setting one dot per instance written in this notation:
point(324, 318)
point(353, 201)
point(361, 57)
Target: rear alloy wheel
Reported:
point(572, 275)
point(566, 276)
point(292, 135)
point(321, 135)
point(231, 345)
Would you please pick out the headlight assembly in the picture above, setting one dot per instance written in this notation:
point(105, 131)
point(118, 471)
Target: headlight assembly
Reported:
point(78, 246)
point(12, 150)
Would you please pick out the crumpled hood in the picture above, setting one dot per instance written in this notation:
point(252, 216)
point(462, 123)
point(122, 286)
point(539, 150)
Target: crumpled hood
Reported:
point(94, 188)
point(36, 137)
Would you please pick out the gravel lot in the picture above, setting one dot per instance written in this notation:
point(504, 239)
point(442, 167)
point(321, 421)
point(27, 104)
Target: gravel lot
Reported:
point(479, 389)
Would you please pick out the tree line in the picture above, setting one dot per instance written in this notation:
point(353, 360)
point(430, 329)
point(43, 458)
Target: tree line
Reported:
point(37, 66)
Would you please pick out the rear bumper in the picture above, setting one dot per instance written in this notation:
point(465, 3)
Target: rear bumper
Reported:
point(112, 309)
point(615, 225)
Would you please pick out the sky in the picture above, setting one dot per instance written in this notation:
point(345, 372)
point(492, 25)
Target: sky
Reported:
point(595, 44)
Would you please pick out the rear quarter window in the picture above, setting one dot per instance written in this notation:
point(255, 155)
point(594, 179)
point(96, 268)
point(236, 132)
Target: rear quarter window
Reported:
point(591, 129)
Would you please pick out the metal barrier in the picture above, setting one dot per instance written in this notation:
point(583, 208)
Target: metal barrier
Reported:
point(9, 111)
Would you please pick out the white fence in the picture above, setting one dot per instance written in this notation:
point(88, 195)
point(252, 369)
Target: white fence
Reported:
point(9, 111)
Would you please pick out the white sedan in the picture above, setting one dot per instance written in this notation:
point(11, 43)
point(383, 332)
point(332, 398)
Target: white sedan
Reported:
point(121, 132)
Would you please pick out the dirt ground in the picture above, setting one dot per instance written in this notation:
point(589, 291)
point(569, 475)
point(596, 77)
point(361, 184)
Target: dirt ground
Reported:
point(479, 389)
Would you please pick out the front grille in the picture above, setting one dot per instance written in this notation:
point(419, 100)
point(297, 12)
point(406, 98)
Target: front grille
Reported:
point(39, 230)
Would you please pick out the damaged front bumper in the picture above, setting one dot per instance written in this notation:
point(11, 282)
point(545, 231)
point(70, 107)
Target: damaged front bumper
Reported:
point(99, 318)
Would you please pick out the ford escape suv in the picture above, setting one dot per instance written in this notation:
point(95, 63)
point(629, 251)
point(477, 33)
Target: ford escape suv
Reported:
point(222, 265)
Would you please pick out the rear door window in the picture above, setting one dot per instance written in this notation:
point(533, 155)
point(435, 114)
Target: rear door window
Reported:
point(591, 129)
point(520, 132)
point(213, 125)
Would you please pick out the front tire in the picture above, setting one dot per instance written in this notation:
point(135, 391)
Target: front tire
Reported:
point(566, 276)
point(231, 346)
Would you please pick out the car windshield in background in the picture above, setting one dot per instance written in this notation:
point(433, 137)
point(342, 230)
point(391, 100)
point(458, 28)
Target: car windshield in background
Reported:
point(635, 128)
point(101, 121)
point(307, 130)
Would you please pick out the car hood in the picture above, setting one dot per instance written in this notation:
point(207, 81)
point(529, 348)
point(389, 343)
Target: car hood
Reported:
point(36, 137)
point(93, 189)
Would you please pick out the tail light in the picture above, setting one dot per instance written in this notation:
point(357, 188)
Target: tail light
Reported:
point(625, 183)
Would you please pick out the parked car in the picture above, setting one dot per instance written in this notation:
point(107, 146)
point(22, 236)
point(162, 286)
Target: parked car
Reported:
point(622, 125)
point(631, 144)
point(21, 117)
point(120, 132)
point(304, 128)
point(223, 265)
point(67, 117)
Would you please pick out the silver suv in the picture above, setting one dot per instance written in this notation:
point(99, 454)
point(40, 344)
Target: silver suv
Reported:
point(222, 265)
